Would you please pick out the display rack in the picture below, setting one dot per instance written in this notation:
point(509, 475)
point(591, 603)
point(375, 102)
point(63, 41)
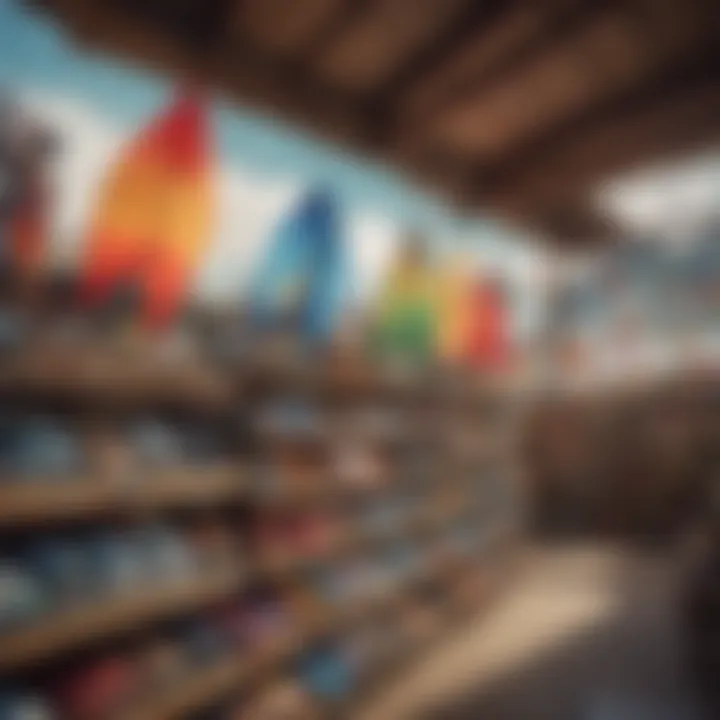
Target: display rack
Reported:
point(451, 494)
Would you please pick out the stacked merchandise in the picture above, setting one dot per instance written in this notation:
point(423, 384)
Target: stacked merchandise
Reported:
point(162, 554)
point(116, 521)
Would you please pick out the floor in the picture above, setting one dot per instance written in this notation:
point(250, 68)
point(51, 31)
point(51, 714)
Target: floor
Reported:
point(585, 633)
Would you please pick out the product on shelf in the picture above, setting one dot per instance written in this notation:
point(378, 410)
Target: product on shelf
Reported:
point(326, 672)
point(38, 448)
point(353, 515)
point(287, 700)
point(167, 555)
point(162, 663)
point(284, 538)
point(290, 418)
point(206, 639)
point(62, 565)
point(13, 331)
point(22, 596)
point(356, 465)
point(216, 545)
point(24, 705)
point(98, 689)
point(112, 457)
point(155, 443)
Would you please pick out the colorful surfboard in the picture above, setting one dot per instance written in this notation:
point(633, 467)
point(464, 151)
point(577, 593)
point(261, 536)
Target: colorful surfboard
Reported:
point(300, 285)
point(154, 217)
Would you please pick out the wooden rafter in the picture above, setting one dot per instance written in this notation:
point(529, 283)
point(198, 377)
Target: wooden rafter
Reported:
point(632, 128)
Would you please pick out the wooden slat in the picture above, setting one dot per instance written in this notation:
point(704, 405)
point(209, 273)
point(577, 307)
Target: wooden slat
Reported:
point(203, 688)
point(126, 378)
point(676, 113)
point(626, 77)
point(283, 26)
point(74, 628)
point(207, 686)
point(607, 53)
point(483, 50)
point(369, 50)
point(489, 125)
point(497, 112)
point(24, 502)
point(247, 75)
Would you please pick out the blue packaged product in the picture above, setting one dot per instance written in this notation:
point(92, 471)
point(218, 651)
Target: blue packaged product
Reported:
point(290, 418)
point(166, 555)
point(155, 442)
point(13, 331)
point(16, 705)
point(62, 565)
point(326, 673)
point(116, 563)
point(200, 446)
point(45, 449)
point(21, 596)
point(205, 641)
point(9, 440)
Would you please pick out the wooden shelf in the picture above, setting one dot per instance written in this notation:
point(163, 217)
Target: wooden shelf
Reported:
point(374, 382)
point(206, 686)
point(196, 691)
point(114, 376)
point(24, 503)
point(417, 524)
point(116, 381)
point(139, 374)
point(68, 630)
point(64, 631)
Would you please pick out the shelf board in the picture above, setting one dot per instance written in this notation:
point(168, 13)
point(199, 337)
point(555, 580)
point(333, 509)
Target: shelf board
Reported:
point(68, 630)
point(358, 539)
point(195, 691)
point(206, 686)
point(375, 382)
point(87, 372)
point(24, 503)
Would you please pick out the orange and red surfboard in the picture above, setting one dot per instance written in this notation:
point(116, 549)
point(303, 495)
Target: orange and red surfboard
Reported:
point(154, 216)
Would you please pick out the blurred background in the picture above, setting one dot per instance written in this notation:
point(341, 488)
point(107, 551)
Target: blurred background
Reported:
point(359, 358)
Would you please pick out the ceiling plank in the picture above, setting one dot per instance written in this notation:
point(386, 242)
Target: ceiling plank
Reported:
point(345, 16)
point(286, 26)
point(367, 52)
point(628, 129)
point(524, 33)
point(464, 26)
point(250, 76)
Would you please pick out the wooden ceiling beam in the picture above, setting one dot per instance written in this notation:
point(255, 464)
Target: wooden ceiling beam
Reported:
point(557, 22)
point(467, 25)
point(632, 128)
point(236, 67)
point(344, 16)
point(282, 27)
